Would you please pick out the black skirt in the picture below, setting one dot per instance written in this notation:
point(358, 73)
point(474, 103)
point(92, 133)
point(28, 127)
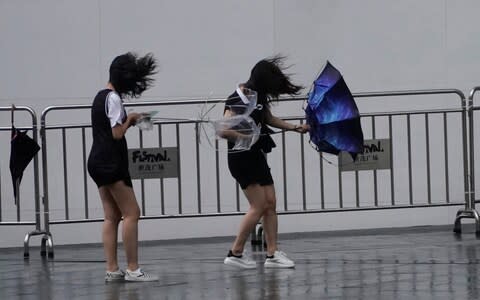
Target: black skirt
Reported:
point(249, 167)
point(108, 173)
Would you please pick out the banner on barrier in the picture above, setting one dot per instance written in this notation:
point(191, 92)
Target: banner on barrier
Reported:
point(153, 162)
point(375, 156)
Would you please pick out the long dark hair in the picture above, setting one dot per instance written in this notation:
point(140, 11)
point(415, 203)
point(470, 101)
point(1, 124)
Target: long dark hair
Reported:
point(130, 75)
point(268, 79)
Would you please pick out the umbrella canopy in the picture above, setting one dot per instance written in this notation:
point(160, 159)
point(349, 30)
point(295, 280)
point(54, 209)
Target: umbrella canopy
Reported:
point(22, 150)
point(333, 116)
point(240, 130)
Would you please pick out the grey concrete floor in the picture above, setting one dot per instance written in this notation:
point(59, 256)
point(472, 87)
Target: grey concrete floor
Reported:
point(412, 263)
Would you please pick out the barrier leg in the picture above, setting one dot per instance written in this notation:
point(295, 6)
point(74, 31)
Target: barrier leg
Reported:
point(47, 246)
point(26, 242)
point(256, 236)
point(466, 213)
point(477, 222)
point(26, 253)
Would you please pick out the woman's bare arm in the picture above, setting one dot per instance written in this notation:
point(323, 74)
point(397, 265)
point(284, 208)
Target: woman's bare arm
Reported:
point(279, 123)
point(119, 130)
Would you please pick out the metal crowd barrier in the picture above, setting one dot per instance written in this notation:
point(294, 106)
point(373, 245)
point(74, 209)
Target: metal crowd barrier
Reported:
point(204, 186)
point(469, 211)
point(425, 114)
point(20, 218)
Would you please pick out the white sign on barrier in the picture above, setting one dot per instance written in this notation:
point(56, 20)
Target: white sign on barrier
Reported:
point(375, 156)
point(153, 162)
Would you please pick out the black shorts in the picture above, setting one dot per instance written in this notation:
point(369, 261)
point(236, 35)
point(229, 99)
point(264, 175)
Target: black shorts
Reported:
point(249, 167)
point(105, 174)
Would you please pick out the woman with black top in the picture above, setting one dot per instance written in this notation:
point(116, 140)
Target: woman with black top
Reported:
point(130, 76)
point(250, 167)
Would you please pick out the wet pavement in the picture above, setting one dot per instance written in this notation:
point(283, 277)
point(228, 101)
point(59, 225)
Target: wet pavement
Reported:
point(412, 263)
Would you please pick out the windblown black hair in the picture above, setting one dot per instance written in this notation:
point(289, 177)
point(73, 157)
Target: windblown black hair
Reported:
point(268, 79)
point(130, 75)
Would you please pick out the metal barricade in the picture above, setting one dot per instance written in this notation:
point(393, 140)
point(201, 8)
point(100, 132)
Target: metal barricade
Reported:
point(86, 182)
point(469, 211)
point(7, 218)
point(204, 186)
point(389, 116)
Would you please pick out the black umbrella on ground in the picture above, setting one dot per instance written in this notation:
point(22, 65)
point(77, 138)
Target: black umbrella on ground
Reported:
point(22, 150)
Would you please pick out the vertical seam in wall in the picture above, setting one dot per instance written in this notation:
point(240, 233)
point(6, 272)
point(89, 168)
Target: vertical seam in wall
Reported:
point(445, 38)
point(99, 9)
point(273, 27)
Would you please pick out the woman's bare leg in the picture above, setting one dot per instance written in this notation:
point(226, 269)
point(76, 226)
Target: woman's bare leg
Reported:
point(256, 197)
point(110, 228)
point(270, 219)
point(127, 204)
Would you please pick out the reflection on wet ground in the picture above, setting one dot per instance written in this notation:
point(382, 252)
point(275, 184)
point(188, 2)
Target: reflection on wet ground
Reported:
point(414, 263)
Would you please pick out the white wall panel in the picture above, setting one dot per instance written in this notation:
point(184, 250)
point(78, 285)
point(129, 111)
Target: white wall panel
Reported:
point(463, 43)
point(49, 49)
point(203, 47)
point(56, 52)
point(378, 45)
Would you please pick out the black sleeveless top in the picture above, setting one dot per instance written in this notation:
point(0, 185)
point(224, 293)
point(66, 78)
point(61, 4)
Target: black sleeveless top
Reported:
point(108, 158)
point(264, 142)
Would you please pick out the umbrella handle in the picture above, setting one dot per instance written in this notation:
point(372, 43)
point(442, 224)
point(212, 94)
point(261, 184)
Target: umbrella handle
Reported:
point(13, 114)
point(17, 191)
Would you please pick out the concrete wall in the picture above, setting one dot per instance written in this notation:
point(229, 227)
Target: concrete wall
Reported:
point(56, 52)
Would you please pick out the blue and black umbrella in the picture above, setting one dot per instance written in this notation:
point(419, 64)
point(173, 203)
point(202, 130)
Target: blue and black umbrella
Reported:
point(333, 116)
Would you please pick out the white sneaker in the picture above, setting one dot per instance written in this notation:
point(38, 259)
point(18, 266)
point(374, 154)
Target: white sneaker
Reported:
point(117, 275)
point(139, 275)
point(240, 261)
point(279, 260)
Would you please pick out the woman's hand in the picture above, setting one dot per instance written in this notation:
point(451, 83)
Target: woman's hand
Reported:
point(132, 118)
point(301, 128)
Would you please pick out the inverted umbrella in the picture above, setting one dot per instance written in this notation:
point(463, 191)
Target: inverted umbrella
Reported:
point(22, 150)
point(333, 116)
